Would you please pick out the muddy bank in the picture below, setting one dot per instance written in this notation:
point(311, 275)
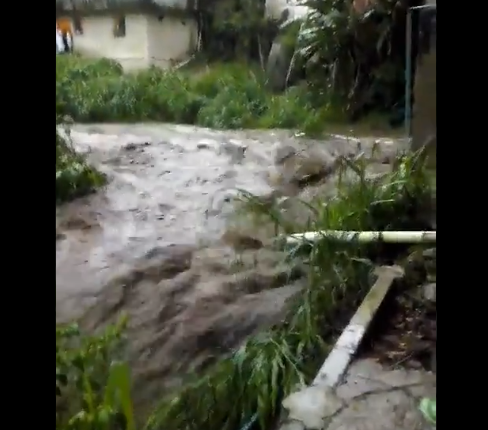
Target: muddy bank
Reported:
point(160, 242)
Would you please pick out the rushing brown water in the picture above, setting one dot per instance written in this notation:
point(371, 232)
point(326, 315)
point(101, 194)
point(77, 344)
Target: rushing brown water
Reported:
point(157, 241)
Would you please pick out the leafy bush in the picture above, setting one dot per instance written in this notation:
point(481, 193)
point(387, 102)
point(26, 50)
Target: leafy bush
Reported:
point(92, 390)
point(73, 176)
point(227, 96)
point(357, 57)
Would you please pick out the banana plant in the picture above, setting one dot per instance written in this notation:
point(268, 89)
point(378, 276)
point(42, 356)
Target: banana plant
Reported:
point(350, 55)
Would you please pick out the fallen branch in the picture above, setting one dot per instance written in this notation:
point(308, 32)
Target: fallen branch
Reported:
point(364, 236)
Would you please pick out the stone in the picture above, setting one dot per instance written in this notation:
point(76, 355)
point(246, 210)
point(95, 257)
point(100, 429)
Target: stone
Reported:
point(421, 391)
point(429, 292)
point(370, 397)
point(380, 411)
point(283, 152)
point(236, 151)
point(382, 399)
point(293, 425)
point(312, 406)
point(359, 380)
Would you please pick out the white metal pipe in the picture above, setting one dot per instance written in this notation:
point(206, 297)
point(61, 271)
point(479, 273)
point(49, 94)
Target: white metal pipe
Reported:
point(364, 236)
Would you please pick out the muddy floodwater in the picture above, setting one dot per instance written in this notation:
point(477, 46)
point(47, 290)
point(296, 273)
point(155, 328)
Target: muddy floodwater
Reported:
point(160, 242)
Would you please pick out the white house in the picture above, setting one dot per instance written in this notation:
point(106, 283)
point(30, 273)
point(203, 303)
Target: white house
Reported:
point(136, 33)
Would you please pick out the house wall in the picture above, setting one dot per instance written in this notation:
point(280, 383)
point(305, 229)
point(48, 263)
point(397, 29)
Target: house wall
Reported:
point(148, 40)
point(170, 39)
point(98, 40)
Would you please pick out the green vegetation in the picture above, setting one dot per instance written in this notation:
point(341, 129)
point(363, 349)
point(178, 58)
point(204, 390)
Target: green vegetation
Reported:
point(357, 58)
point(92, 388)
point(428, 407)
point(350, 62)
point(225, 96)
point(74, 177)
point(247, 387)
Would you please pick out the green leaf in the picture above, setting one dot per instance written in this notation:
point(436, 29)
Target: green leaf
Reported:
point(118, 391)
point(428, 409)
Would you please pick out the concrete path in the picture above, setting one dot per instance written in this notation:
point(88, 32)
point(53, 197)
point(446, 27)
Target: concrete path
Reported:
point(371, 397)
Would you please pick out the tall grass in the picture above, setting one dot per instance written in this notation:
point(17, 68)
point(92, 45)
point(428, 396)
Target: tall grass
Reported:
point(225, 96)
point(245, 389)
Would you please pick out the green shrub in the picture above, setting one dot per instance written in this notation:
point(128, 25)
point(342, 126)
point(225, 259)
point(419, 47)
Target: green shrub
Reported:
point(92, 389)
point(74, 177)
point(225, 96)
point(291, 108)
point(356, 59)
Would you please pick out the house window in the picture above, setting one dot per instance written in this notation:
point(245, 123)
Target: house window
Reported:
point(78, 27)
point(119, 26)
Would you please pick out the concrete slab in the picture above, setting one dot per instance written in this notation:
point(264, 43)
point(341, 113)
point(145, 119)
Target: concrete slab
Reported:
point(363, 395)
point(348, 343)
point(370, 397)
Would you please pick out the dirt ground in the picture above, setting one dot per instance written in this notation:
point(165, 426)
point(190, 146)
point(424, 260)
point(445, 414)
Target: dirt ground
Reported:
point(405, 333)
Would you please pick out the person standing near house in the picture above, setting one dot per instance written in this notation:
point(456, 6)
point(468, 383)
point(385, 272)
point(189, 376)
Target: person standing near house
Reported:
point(68, 42)
point(63, 28)
point(59, 40)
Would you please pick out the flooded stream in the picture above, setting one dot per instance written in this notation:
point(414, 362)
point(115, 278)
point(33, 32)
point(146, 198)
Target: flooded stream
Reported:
point(157, 241)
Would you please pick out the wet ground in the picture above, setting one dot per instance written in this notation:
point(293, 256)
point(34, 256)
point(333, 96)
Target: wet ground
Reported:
point(393, 369)
point(159, 241)
point(405, 330)
point(371, 397)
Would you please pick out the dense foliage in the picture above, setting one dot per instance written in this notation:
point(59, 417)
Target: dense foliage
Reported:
point(225, 96)
point(235, 30)
point(92, 388)
point(74, 177)
point(351, 52)
point(356, 53)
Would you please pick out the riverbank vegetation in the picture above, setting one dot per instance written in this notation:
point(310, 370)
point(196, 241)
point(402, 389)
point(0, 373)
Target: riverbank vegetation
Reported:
point(345, 60)
point(246, 388)
point(228, 96)
point(74, 177)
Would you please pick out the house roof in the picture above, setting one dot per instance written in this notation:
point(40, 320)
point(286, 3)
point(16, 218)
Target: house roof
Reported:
point(108, 5)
